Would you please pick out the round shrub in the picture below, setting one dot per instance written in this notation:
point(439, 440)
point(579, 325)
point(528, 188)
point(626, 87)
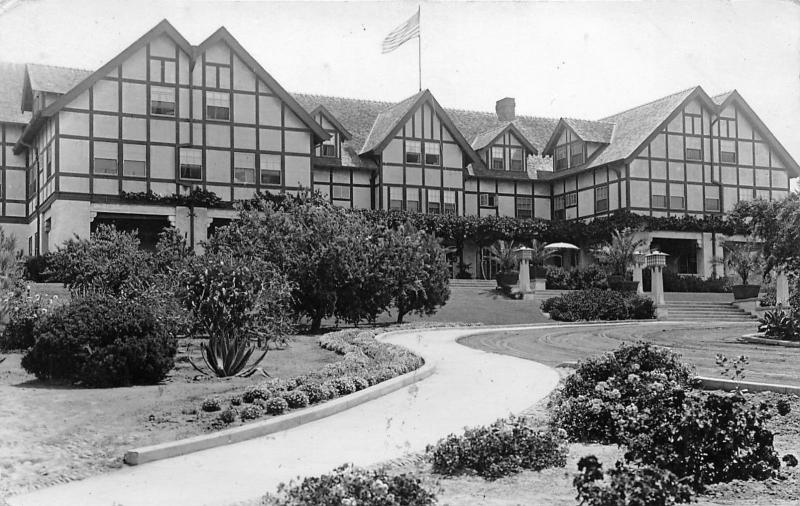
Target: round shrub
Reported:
point(24, 312)
point(344, 385)
point(251, 394)
point(227, 417)
point(102, 341)
point(211, 404)
point(360, 383)
point(626, 484)
point(599, 304)
point(296, 399)
point(504, 448)
point(236, 401)
point(250, 412)
point(276, 405)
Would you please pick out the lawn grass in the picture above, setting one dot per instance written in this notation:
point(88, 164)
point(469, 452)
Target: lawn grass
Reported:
point(55, 433)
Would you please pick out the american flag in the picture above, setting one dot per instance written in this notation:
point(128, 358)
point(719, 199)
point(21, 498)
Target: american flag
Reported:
point(402, 34)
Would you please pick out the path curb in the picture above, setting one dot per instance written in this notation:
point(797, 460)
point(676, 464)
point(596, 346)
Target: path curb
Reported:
point(276, 424)
point(726, 384)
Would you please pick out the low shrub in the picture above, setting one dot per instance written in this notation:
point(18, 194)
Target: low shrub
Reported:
point(675, 282)
point(704, 437)
point(351, 486)
point(360, 383)
point(780, 324)
point(296, 399)
point(24, 311)
point(276, 405)
point(37, 269)
point(102, 341)
point(605, 389)
point(599, 304)
point(628, 485)
point(251, 394)
point(318, 392)
point(344, 385)
point(250, 413)
point(227, 417)
point(211, 404)
point(505, 447)
point(578, 278)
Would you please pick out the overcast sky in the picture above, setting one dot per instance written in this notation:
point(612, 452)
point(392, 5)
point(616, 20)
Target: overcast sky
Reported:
point(576, 59)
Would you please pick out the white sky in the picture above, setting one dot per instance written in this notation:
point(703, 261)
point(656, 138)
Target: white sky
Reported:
point(568, 58)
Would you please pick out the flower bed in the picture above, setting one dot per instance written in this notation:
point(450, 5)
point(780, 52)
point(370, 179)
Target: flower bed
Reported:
point(365, 362)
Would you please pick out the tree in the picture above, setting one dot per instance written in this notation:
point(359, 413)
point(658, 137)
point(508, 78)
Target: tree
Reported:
point(503, 253)
point(10, 272)
point(617, 255)
point(742, 258)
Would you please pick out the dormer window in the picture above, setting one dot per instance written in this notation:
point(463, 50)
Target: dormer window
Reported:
point(498, 161)
point(516, 159)
point(561, 157)
point(329, 146)
point(413, 152)
point(433, 154)
point(577, 154)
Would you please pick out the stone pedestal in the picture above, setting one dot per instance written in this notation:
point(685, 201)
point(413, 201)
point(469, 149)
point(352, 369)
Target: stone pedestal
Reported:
point(637, 276)
point(782, 290)
point(525, 278)
point(658, 292)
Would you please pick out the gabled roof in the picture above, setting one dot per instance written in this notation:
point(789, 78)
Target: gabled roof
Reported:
point(224, 35)
point(487, 138)
point(11, 78)
point(536, 130)
point(588, 131)
point(49, 79)
point(722, 97)
point(320, 109)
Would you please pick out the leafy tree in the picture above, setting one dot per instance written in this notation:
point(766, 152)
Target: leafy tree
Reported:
point(617, 255)
point(742, 258)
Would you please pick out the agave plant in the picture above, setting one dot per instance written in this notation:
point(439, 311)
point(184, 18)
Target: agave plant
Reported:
point(229, 357)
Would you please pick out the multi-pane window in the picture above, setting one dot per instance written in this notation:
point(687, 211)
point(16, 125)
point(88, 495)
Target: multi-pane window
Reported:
point(576, 150)
point(712, 204)
point(329, 146)
point(449, 200)
point(413, 152)
point(559, 203)
point(524, 207)
point(601, 199)
point(218, 76)
point(727, 127)
point(516, 158)
point(340, 192)
point(659, 201)
point(434, 202)
point(105, 158)
point(571, 199)
point(694, 154)
point(498, 161)
point(162, 101)
point(412, 200)
point(561, 157)
point(133, 168)
point(692, 124)
point(270, 170)
point(488, 200)
point(133, 160)
point(191, 164)
point(677, 202)
point(433, 153)
point(395, 197)
point(218, 106)
point(49, 158)
point(727, 156)
point(244, 168)
point(162, 70)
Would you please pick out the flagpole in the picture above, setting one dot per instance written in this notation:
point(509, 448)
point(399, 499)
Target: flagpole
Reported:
point(419, 44)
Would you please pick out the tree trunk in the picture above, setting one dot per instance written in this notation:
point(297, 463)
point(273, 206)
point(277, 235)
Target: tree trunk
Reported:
point(400, 315)
point(316, 324)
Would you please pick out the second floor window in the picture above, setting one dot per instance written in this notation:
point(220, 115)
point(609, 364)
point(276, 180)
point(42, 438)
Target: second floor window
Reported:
point(433, 155)
point(105, 158)
point(712, 204)
point(449, 198)
point(162, 101)
point(413, 152)
point(601, 199)
point(571, 199)
point(218, 106)
point(517, 160)
point(270, 170)
point(395, 197)
point(488, 200)
point(677, 202)
point(434, 202)
point(727, 156)
point(191, 164)
point(659, 201)
point(524, 207)
point(559, 203)
point(498, 161)
point(694, 154)
point(412, 200)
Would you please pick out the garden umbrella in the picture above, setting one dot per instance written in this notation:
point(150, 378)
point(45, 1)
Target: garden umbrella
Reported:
point(560, 245)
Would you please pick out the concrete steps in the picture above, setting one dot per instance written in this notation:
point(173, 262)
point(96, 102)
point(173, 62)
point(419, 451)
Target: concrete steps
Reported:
point(699, 310)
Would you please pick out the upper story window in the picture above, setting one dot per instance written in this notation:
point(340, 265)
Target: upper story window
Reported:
point(218, 106)
point(329, 146)
point(218, 76)
point(191, 164)
point(571, 199)
point(524, 207)
point(434, 202)
point(576, 150)
point(692, 124)
point(601, 199)
point(559, 203)
point(105, 158)
point(270, 170)
point(162, 101)
point(488, 200)
point(561, 157)
point(694, 154)
point(659, 201)
point(413, 152)
point(244, 168)
point(449, 199)
point(677, 202)
point(498, 160)
point(340, 192)
point(162, 70)
point(433, 153)
point(517, 159)
point(395, 197)
point(727, 127)
point(412, 200)
point(727, 156)
point(712, 204)
point(49, 158)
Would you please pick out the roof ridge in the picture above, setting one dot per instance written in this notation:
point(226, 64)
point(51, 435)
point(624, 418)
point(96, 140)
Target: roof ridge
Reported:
point(518, 116)
point(648, 103)
point(319, 95)
point(589, 120)
point(58, 67)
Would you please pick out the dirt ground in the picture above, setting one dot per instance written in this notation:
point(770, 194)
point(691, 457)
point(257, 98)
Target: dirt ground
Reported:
point(56, 433)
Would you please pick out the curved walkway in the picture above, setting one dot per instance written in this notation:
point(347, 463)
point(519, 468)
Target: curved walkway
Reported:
point(470, 387)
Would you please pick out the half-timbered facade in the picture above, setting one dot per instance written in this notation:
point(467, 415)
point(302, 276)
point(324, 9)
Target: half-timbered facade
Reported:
point(165, 117)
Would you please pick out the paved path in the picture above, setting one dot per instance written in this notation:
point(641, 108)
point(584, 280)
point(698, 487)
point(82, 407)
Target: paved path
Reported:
point(470, 387)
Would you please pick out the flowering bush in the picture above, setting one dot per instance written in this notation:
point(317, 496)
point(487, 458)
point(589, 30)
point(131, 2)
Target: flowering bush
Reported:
point(276, 405)
point(629, 485)
point(24, 311)
point(250, 413)
point(296, 399)
point(503, 448)
point(211, 404)
point(351, 486)
point(605, 390)
point(228, 416)
point(599, 304)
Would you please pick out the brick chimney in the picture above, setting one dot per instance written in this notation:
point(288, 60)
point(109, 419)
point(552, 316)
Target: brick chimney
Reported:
point(505, 109)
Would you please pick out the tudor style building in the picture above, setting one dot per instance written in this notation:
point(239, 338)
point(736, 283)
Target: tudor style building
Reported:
point(165, 116)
